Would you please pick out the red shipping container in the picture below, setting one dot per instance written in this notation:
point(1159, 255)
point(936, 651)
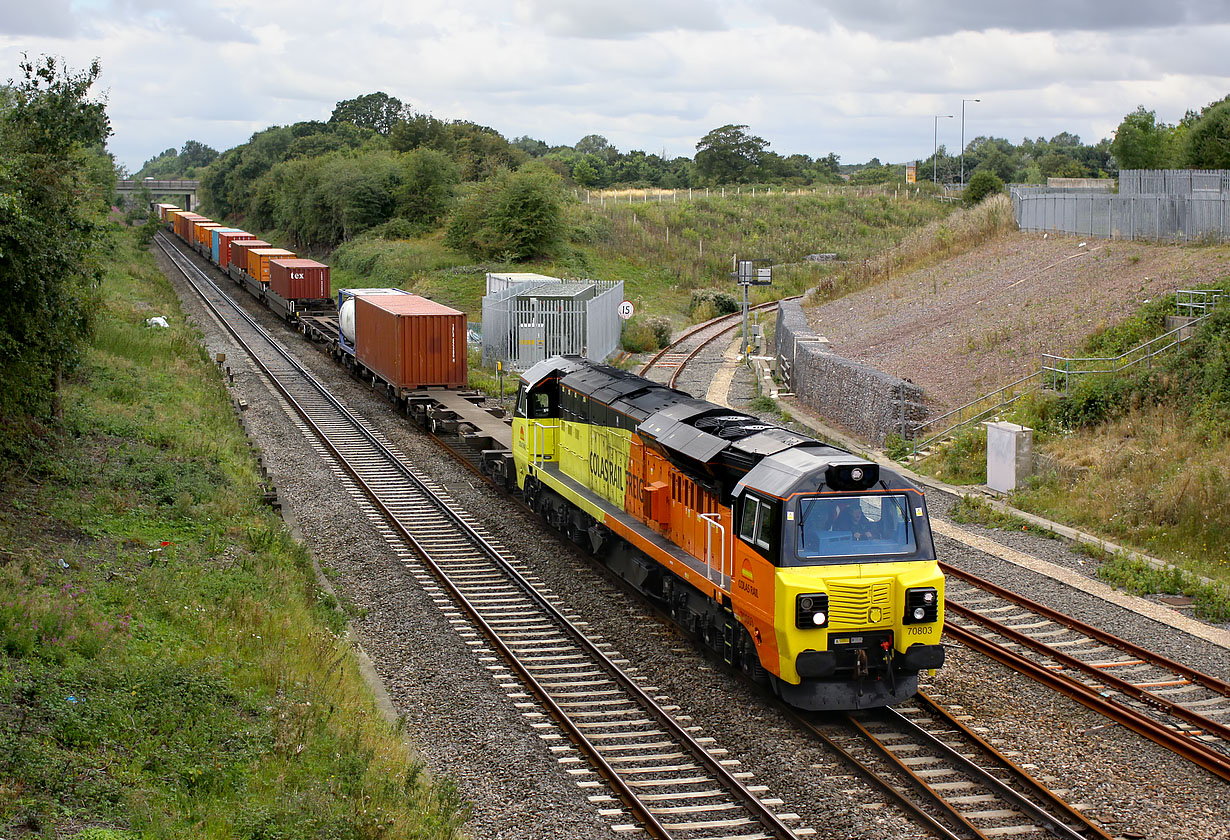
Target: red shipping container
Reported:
point(224, 245)
point(410, 341)
point(239, 251)
point(299, 279)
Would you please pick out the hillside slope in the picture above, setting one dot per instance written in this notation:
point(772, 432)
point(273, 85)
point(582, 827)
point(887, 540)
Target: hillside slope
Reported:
point(982, 319)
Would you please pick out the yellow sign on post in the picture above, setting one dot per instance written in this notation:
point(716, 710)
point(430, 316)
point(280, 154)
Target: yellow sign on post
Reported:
point(911, 173)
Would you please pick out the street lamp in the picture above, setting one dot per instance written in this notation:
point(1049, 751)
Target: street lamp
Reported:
point(935, 147)
point(963, 101)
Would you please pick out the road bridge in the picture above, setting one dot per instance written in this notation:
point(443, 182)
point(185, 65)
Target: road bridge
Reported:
point(185, 190)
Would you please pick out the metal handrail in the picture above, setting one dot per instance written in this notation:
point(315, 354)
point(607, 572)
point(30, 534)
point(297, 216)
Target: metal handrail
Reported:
point(713, 520)
point(1051, 364)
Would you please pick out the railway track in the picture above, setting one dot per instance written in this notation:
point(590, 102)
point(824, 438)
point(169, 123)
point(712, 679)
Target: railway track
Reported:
point(946, 777)
point(668, 363)
point(1173, 705)
point(651, 776)
point(670, 781)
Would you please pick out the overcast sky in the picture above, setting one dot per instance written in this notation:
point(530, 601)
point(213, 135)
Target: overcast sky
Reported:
point(861, 78)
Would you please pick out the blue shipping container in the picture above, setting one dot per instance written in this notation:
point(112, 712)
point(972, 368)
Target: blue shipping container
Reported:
point(215, 242)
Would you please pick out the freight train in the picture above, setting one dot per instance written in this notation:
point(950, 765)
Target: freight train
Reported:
point(809, 568)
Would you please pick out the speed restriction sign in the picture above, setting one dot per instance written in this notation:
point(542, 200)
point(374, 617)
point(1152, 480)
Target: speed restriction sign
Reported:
point(626, 310)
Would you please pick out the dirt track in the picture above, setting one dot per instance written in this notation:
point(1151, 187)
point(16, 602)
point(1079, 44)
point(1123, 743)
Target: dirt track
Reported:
point(983, 319)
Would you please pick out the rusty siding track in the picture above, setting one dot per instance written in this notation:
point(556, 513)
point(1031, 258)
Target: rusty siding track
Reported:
point(672, 784)
point(673, 359)
point(1060, 641)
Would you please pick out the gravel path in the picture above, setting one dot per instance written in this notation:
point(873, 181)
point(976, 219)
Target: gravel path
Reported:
point(467, 729)
point(982, 319)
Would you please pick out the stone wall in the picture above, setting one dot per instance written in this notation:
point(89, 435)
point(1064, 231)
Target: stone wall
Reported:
point(850, 394)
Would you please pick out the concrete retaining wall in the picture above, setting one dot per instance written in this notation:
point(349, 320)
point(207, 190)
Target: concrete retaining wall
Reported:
point(860, 398)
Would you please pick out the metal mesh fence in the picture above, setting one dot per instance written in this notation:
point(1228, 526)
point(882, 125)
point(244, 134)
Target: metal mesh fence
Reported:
point(527, 322)
point(1164, 217)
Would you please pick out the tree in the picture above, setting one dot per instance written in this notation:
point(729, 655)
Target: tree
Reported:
point(584, 173)
point(195, 154)
point(1208, 139)
point(726, 154)
point(981, 184)
point(55, 184)
point(1141, 142)
point(516, 216)
point(377, 111)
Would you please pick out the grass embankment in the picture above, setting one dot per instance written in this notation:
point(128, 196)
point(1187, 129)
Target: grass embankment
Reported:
point(664, 251)
point(1146, 455)
point(170, 667)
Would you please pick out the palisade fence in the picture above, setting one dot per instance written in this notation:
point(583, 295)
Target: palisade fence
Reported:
point(1163, 205)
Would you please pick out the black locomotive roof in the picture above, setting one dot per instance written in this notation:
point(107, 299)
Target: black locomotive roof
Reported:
point(697, 435)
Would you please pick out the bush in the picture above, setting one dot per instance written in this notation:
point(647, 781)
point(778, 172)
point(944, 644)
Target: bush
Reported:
point(723, 302)
point(981, 184)
point(517, 216)
point(643, 334)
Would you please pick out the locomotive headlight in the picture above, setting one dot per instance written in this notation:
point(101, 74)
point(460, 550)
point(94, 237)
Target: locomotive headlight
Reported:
point(811, 610)
point(921, 605)
point(857, 473)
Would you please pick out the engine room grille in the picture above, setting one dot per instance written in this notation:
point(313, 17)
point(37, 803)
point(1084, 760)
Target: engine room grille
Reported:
point(851, 605)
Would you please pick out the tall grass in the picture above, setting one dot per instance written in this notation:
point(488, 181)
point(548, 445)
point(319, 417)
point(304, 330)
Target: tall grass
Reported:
point(168, 664)
point(938, 240)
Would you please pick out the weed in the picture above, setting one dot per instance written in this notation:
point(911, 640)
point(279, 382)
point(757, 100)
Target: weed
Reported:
point(1211, 601)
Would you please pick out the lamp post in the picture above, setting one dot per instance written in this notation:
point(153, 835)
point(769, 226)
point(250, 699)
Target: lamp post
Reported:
point(935, 147)
point(963, 101)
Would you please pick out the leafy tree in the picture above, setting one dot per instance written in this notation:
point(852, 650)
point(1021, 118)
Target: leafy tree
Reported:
point(426, 191)
point(195, 154)
point(1060, 165)
point(377, 111)
point(516, 216)
point(981, 184)
point(598, 146)
point(55, 182)
point(1141, 142)
point(726, 154)
point(532, 147)
point(1208, 139)
point(584, 173)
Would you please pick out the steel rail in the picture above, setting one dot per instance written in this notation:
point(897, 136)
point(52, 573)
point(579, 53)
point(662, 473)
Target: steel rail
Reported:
point(766, 817)
point(899, 796)
point(1210, 682)
point(1193, 751)
point(692, 331)
point(1019, 772)
point(1109, 679)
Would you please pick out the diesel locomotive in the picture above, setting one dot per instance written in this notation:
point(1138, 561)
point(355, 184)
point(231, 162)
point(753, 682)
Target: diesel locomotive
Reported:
point(802, 564)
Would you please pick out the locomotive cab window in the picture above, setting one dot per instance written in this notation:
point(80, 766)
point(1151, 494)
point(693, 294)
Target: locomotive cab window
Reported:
point(758, 524)
point(848, 526)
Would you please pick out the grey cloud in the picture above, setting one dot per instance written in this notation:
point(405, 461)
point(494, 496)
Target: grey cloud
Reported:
point(905, 19)
point(52, 18)
point(618, 19)
point(194, 18)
